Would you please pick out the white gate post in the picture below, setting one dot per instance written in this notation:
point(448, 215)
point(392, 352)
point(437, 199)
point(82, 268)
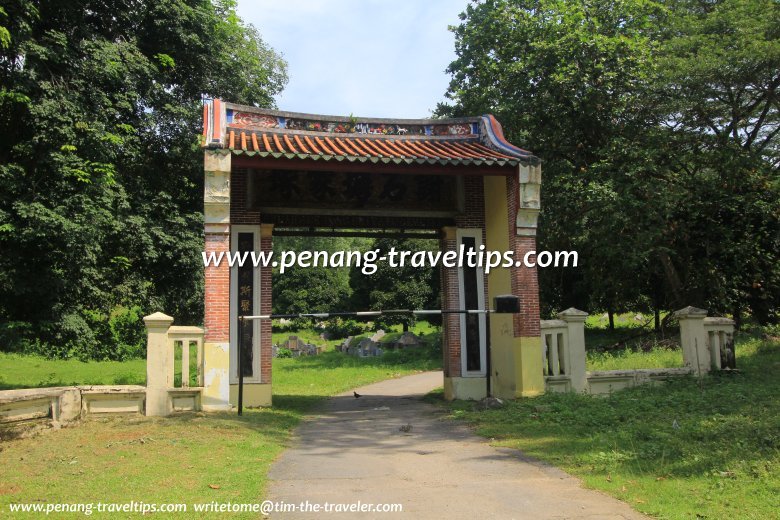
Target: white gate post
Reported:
point(693, 339)
point(575, 322)
point(159, 364)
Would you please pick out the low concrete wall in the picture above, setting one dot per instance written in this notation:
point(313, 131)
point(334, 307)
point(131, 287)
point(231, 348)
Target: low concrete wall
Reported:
point(607, 381)
point(707, 344)
point(27, 411)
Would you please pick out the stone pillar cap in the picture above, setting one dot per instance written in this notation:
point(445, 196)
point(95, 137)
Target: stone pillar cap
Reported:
point(691, 312)
point(157, 319)
point(573, 314)
point(717, 320)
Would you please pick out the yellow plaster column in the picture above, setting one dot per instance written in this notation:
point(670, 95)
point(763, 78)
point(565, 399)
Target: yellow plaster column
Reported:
point(511, 205)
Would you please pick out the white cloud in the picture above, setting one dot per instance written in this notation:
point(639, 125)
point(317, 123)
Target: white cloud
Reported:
point(365, 57)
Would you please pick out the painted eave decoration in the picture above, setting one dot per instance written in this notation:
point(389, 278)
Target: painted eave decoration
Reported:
point(264, 133)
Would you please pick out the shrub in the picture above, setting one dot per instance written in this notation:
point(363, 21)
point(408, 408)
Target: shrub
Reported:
point(71, 336)
point(339, 328)
point(284, 353)
point(127, 331)
point(431, 352)
point(292, 325)
point(771, 331)
point(14, 336)
point(92, 335)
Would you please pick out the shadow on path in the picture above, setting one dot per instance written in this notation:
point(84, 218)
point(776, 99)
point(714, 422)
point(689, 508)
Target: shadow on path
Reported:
point(390, 446)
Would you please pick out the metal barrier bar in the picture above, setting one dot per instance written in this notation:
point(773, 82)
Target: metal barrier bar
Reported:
point(505, 304)
point(363, 314)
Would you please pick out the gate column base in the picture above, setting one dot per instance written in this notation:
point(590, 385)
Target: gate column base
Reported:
point(528, 367)
point(216, 362)
point(465, 388)
point(255, 395)
point(517, 368)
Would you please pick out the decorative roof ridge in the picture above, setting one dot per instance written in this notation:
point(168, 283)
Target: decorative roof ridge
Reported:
point(286, 131)
point(222, 121)
point(347, 119)
point(495, 135)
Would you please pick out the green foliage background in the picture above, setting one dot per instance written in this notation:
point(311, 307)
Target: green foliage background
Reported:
point(100, 166)
point(657, 123)
point(322, 289)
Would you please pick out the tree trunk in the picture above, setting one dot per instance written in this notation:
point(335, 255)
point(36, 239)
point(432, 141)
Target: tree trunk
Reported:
point(673, 281)
point(737, 314)
point(611, 315)
point(657, 313)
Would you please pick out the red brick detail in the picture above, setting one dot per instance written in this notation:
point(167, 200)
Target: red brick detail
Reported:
point(266, 244)
point(239, 205)
point(474, 215)
point(474, 204)
point(217, 291)
point(450, 300)
point(525, 283)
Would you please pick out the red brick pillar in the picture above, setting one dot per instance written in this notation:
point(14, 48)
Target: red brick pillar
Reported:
point(525, 284)
point(450, 300)
point(266, 246)
point(217, 291)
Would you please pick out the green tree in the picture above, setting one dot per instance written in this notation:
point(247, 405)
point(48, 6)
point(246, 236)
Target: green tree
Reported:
point(100, 167)
point(404, 287)
point(312, 289)
point(718, 79)
point(657, 123)
point(316, 288)
point(567, 80)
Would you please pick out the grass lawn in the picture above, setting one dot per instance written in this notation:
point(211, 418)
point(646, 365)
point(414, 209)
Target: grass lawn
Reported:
point(627, 359)
point(20, 371)
point(633, 343)
point(721, 459)
point(187, 458)
point(687, 449)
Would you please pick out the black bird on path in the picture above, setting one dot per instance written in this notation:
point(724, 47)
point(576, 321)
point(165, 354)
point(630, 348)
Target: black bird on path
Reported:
point(356, 394)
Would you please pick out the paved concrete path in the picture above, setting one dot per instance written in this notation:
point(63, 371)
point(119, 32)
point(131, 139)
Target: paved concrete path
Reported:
point(353, 450)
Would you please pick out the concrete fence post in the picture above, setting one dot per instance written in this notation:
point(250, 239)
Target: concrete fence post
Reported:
point(694, 339)
point(720, 342)
point(575, 322)
point(159, 364)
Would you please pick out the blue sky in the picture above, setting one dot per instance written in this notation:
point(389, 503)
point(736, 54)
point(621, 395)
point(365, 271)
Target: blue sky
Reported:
point(360, 57)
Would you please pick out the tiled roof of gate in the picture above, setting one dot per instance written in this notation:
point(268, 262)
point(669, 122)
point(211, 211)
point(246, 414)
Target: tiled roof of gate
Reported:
point(286, 135)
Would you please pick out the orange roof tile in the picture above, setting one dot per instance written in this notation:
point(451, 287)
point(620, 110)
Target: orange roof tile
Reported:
point(282, 135)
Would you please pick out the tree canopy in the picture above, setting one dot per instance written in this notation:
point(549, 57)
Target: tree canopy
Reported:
point(101, 176)
point(401, 287)
point(657, 124)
